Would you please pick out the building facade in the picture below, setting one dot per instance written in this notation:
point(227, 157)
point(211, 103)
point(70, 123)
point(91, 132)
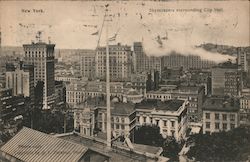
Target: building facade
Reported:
point(87, 63)
point(41, 55)
point(11, 106)
point(170, 116)
point(226, 80)
point(21, 80)
point(142, 62)
point(193, 94)
point(175, 60)
point(220, 114)
point(120, 62)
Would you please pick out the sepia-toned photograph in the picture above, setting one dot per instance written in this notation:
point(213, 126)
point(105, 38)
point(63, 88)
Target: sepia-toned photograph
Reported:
point(124, 81)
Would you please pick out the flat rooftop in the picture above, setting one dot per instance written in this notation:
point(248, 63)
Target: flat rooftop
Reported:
point(221, 104)
point(170, 105)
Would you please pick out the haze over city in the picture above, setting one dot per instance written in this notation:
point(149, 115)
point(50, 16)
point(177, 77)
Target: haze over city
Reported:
point(162, 27)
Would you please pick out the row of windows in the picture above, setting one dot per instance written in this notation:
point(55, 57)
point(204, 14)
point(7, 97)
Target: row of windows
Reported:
point(157, 122)
point(224, 116)
point(117, 119)
point(158, 96)
point(217, 126)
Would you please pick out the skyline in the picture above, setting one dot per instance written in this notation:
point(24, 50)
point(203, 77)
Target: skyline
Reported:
point(163, 27)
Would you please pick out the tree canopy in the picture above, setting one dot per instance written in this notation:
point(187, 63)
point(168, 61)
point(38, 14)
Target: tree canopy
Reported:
point(233, 145)
point(150, 135)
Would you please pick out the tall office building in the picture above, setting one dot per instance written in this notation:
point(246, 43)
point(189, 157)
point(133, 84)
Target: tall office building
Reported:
point(243, 56)
point(143, 62)
point(120, 59)
point(153, 63)
point(41, 55)
point(175, 60)
point(226, 79)
point(140, 57)
point(87, 62)
point(21, 80)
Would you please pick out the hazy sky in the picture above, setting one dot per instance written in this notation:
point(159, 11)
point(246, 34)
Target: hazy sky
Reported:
point(70, 24)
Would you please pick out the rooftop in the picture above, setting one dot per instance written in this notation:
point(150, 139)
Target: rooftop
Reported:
point(133, 92)
point(227, 65)
point(31, 145)
point(170, 105)
point(121, 108)
point(221, 104)
point(115, 153)
point(189, 88)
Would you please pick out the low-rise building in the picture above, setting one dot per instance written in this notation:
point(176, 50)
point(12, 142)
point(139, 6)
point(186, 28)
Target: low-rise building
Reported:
point(170, 116)
point(138, 82)
point(220, 114)
point(75, 93)
point(32, 145)
point(244, 110)
point(193, 94)
point(132, 96)
point(92, 115)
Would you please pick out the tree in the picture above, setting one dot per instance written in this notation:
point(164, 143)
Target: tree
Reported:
point(171, 148)
point(233, 145)
point(149, 135)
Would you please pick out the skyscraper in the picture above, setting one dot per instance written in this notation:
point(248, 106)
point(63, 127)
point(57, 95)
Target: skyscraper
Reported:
point(120, 57)
point(175, 60)
point(242, 58)
point(226, 79)
point(21, 80)
point(41, 55)
point(87, 63)
point(140, 57)
point(143, 62)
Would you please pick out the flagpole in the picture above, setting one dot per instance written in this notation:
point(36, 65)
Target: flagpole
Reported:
point(108, 85)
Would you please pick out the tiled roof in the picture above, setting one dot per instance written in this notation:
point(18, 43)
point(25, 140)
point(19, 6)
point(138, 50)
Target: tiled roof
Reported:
point(33, 146)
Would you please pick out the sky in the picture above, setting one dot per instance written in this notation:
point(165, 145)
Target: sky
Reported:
point(161, 26)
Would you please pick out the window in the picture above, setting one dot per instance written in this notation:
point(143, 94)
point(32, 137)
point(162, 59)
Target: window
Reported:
point(157, 122)
point(217, 116)
point(117, 119)
point(232, 126)
point(224, 116)
point(122, 120)
point(224, 126)
point(122, 127)
point(232, 117)
point(207, 124)
point(117, 126)
point(172, 132)
point(217, 125)
point(165, 123)
point(207, 115)
point(144, 119)
point(172, 123)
